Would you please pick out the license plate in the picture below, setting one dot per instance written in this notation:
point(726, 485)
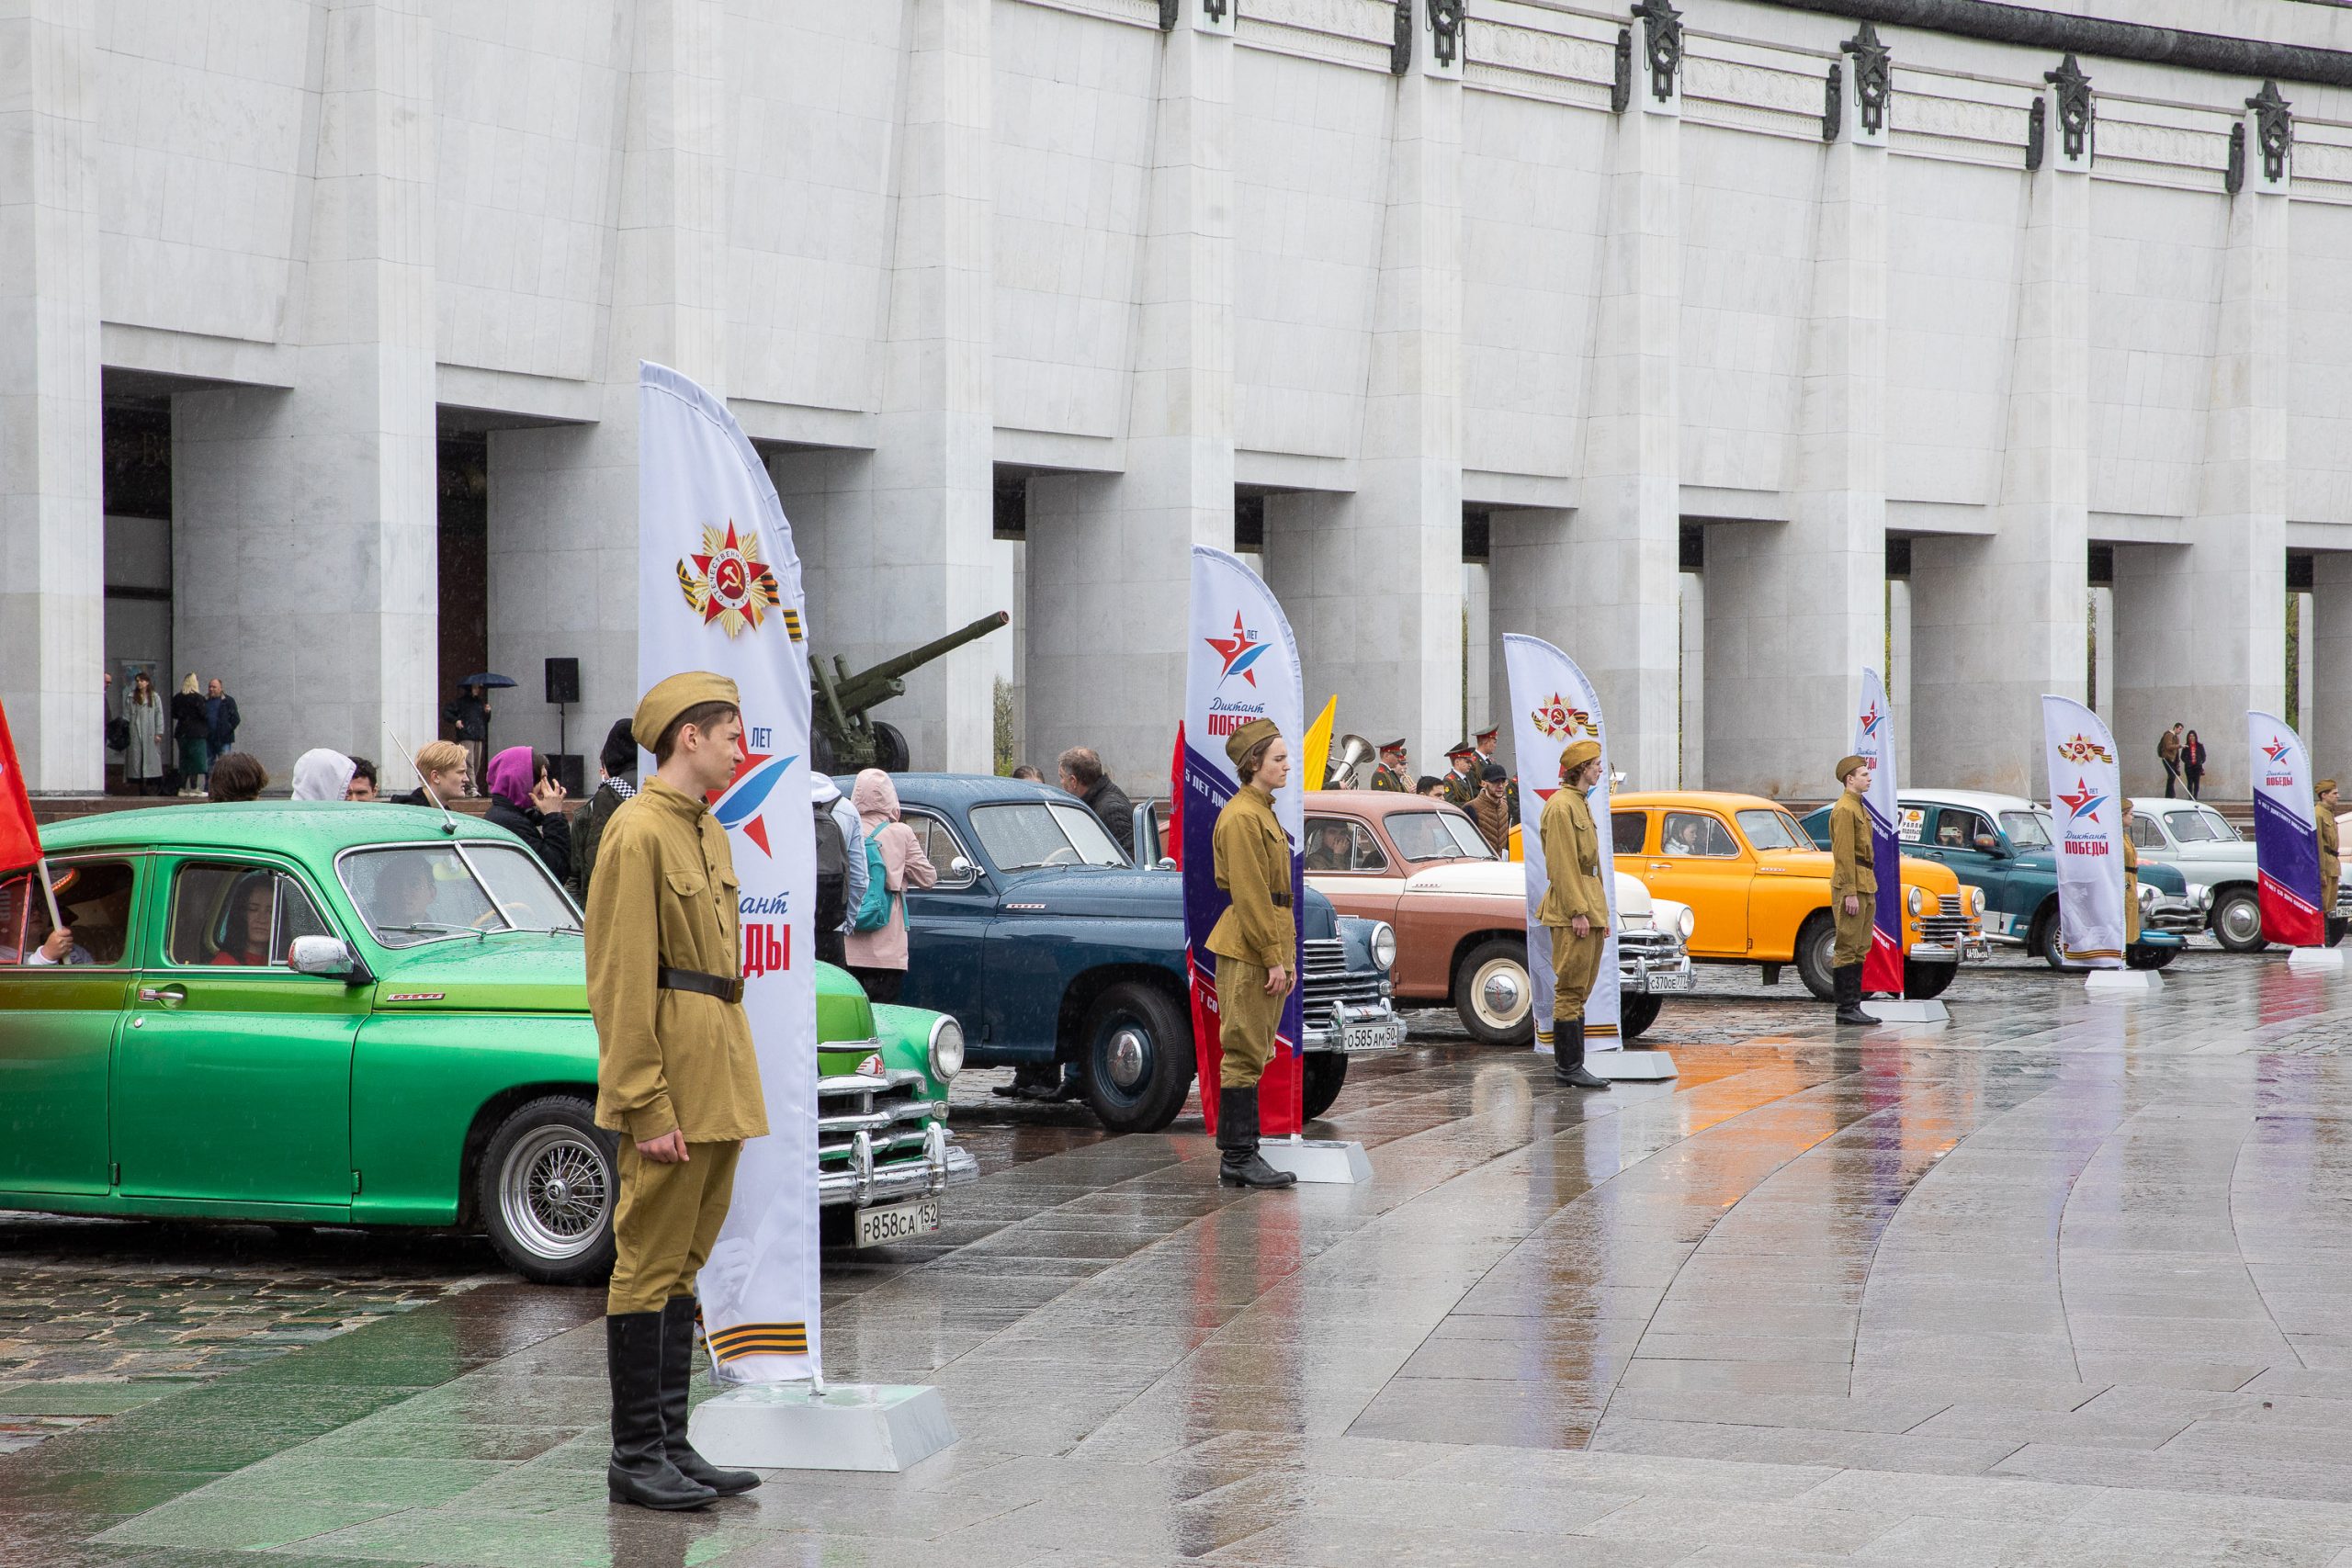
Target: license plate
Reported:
point(1673, 980)
point(1370, 1037)
point(900, 1221)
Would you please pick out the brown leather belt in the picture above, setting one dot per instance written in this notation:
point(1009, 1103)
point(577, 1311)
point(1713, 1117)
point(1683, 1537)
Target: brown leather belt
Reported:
point(718, 986)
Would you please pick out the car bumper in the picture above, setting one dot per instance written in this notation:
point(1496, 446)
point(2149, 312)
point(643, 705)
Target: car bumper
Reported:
point(1357, 1031)
point(2177, 916)
point(1650, 972)
point(863, 1183)
point(1972, 949)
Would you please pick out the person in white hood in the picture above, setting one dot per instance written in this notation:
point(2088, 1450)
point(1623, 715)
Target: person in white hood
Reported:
point(322, 774)
point(828, 802)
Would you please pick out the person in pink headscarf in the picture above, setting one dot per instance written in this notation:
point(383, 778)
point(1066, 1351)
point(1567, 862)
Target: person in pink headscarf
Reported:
point(879, 958)
point(527, 799)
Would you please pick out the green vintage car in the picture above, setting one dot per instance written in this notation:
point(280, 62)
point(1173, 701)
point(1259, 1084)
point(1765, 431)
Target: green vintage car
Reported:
point(374, 1015)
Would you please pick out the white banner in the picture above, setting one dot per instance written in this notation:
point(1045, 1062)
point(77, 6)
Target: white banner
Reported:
point(1553, 706)
point(718, 589)
point(1874, 743)
point(2087, 801)
point(2286, 834)
point(1243, 665)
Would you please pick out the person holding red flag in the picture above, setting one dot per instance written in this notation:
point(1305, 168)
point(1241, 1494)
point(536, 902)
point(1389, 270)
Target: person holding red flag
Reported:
point(20, 843)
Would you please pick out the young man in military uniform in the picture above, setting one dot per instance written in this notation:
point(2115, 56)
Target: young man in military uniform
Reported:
point(1461, 785)
point(675, 1076)
point(1256, 944)
point(1487, 739)
point(2330, 865)
point(1391, 774)
point(2130, 883)
point(1575, 910)
point(1853, 887)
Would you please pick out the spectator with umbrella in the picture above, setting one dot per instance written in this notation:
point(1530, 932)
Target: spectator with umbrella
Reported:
point(469, 717)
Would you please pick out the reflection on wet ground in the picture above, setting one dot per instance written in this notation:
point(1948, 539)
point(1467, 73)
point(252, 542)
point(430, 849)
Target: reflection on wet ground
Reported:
point(2056, 1282)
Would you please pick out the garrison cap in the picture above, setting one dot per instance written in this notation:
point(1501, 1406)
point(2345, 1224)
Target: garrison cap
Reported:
point(2323, 786)
point(671, 697)
point(1248, 738)
point(1848, 764)
point(1578, 755)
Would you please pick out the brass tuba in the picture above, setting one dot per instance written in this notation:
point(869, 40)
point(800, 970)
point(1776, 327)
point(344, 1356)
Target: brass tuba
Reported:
point(1349, 753)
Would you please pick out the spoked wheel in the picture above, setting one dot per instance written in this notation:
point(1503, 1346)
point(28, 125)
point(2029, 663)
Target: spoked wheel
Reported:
point(549, 1183)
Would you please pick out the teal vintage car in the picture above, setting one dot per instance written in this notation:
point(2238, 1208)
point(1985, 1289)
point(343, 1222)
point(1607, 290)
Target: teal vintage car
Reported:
point(373, 1015)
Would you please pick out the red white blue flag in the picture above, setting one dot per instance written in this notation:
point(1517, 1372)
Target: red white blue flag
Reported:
point(2286, 834)
point(1243, 664)
point(1874, 743)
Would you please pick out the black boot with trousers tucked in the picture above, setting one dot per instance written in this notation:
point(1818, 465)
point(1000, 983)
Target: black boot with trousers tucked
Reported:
point(1567, 1058)
point(640, 1471)
point(677, 1378)
point(1849, 995)
point(1240, 1164)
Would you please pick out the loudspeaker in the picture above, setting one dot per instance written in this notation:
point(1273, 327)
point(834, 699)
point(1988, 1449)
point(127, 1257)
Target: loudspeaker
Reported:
point(571, 771)
point(563, 680)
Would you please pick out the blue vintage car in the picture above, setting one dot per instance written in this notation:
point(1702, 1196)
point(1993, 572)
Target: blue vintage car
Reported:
point(2002, 843)
point(1050, 947)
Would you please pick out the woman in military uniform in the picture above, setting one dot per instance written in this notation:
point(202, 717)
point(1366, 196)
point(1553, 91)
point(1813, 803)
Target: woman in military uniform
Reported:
point(1853, 887)
point(1575, 910)
point(1256, 943)
point(2130, 883)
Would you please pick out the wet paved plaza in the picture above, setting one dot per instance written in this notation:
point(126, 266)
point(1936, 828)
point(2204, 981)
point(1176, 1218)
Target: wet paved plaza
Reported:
point(2063, 1281)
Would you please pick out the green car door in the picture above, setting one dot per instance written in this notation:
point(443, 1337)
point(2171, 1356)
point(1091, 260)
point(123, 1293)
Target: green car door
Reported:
point(232, 1073)
point(58, 1021)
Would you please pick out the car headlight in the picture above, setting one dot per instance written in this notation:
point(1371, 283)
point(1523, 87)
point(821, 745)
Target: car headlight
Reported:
point(2205, 897)
point(1686, 924)
point(946, 1048)
point(1977, 901)
point(1918, 900)
point(1384, 945)
point(2147, 892)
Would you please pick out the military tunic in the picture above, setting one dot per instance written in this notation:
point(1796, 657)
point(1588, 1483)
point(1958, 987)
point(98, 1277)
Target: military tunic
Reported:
point(2330, 865)
point(1462, 789)
point(1387, 778)
point(664, 896)
point(1851, 872)
point(1255, 934)
point(2130, 888)
point(1572, 872)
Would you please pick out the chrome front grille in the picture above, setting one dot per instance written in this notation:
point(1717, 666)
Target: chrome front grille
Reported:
point(1324, 981)
point(1950, 924)
point(876, 1134)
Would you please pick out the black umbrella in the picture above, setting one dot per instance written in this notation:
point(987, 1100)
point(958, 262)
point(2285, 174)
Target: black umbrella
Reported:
point(487, 679)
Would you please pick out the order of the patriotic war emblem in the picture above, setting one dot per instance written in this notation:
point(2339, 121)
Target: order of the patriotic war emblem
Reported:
point(728, 583)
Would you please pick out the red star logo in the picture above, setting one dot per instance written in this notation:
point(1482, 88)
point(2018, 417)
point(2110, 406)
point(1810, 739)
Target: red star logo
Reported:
point(2083, 802)
point(1238, 651)
point(2277, 750)
point(731, 579)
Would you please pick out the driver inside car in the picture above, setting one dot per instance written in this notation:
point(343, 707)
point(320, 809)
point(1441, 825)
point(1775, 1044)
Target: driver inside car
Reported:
point(60, 945)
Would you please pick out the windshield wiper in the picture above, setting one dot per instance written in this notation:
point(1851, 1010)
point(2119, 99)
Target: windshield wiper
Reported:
point(431, 926)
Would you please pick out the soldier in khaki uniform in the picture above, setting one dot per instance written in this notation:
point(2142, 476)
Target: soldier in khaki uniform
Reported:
point(1256, 943)
point(1390, 774)
point(1575, 910)
point(2130, 883)
point(2331, 866)
point(675, 1076)
point(1853, 887)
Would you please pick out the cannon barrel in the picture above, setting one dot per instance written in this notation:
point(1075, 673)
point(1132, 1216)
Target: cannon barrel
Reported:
point(864, 690)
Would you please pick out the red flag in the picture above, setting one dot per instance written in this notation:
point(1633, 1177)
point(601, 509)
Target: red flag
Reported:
point(1171, 841)
point(19, 835)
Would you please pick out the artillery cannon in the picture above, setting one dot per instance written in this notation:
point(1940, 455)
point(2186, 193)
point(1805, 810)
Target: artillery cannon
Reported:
point(843, 737)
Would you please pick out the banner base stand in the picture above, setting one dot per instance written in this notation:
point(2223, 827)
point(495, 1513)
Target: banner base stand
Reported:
point(2315, 958)
point(2123, 983)
point(1628, 1065)
point(851, 1426)
point(1318, 1159)
point(1907, 1009)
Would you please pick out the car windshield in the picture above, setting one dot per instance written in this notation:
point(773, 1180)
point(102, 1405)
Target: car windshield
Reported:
point(1027, 834)
point(1436, 835)
point(1771, 829)
point(429, 892)
point(2200, 827)
point(2028, 830)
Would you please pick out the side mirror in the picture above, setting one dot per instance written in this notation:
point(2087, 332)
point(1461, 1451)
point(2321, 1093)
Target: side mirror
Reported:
point(1166, 863)
point(1989, 844)
point(960, 868)
point(322, 956)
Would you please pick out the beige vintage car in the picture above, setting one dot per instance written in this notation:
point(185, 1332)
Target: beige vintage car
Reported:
point(1460, 912)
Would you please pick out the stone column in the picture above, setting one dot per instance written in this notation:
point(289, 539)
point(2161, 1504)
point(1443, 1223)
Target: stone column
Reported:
point(573, 487)
point(53, 576)
point(1692, 762)
point(1901, 673)
point(305, 556)
point(1796, 611)
point(2028, 579)
point(1372, 582)
point(1603, 586)
point(2327, 664)
point(1110, 559)
point(2102, 651)
point(2200, 630)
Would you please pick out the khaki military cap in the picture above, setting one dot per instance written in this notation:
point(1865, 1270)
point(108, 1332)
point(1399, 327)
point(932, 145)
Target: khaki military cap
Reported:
point(661, 707)
point(1247, 738)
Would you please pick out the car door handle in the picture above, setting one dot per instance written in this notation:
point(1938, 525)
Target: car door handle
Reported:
point(1661, 865)
point(169, 996)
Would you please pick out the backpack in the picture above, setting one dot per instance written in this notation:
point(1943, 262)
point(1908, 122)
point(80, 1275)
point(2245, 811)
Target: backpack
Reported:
point(832, 873)
point(874, 912)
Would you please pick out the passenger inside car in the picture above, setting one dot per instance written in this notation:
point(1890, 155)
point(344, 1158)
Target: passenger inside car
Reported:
point(244, 929)
point(94, 898)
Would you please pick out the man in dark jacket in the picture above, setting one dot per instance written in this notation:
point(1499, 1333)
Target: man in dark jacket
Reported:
point(1082, 776)
point(618, 761)
point(222, 719)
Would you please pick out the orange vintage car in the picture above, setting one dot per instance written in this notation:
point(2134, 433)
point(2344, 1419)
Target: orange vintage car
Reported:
point(1761, 890)
point(1459, 914)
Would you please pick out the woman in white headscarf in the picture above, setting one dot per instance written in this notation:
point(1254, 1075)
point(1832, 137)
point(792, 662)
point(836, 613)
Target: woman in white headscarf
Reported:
point(322, 774)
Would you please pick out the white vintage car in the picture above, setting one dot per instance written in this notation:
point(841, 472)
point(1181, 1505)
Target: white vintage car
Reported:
point(2201, 844)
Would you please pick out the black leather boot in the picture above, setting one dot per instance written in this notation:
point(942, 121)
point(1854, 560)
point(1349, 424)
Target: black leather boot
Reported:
point(1567, 1058)
point(1849, 997)
point(1239, 1162)
point(677, 1378)
point(640, 1471)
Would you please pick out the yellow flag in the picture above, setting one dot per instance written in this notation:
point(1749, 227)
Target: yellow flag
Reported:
point(1317, 752)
